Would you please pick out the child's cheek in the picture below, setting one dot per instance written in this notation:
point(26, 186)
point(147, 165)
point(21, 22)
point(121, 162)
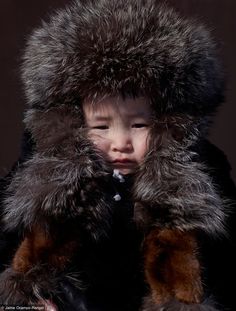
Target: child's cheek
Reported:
point(100, 142)
point(142, 145)
point(102, 145)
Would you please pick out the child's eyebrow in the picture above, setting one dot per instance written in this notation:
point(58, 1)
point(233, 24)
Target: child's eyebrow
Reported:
point(102, 118)
point(138, 115)
point(131, 116)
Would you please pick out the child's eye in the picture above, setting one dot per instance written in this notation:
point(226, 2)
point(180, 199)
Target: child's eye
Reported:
point(100, 127)
point(139, 125)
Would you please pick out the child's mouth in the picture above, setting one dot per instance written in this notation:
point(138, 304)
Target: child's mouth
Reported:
point(123, 162)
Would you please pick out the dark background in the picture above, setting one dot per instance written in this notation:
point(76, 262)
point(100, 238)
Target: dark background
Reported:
point(19, 17)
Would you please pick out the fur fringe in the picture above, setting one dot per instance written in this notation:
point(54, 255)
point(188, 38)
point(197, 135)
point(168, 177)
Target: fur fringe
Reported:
point(53, 188)
point(173, 189)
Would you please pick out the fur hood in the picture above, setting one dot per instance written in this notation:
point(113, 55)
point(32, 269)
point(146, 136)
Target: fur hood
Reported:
point(99, 48)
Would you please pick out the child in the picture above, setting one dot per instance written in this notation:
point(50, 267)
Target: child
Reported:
point(114, 199)
point(120, 129)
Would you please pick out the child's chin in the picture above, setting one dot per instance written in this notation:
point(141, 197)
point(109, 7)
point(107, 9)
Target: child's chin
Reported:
point(125, 171)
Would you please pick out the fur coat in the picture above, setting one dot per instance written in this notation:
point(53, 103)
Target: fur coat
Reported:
point(62, 199)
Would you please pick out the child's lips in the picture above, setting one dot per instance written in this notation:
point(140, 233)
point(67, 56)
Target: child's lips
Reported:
point(123, 162)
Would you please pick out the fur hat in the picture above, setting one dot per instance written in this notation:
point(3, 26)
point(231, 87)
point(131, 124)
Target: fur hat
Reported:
point(96, 48)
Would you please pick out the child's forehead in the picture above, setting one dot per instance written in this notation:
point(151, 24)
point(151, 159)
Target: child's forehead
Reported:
point(131, 106)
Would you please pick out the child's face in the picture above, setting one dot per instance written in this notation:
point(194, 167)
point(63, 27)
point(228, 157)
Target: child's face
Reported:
point(120, 128)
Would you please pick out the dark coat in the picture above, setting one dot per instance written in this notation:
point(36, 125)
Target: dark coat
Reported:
point(146, 250)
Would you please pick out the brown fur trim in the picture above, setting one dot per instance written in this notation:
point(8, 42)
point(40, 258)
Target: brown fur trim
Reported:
point(40, 247)
point(171, 266)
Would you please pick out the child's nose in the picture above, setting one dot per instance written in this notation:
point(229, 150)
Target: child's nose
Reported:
point(122, 142)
